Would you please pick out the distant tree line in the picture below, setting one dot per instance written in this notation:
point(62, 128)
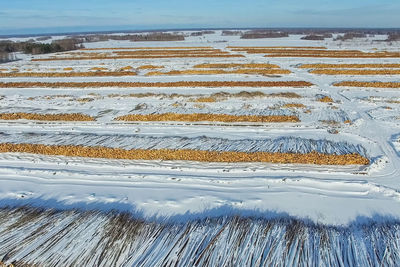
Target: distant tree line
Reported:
point(317, 37)
point(156, 36)
point(201, 33)
point(32, 47)
point(255, 34)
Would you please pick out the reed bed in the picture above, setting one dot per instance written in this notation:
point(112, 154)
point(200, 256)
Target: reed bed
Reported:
point(355, 72)
point(236, 65)
point(169, 52)
point(219, 71)
point(277, 47)
point(209, 99)
point(220, 55)
point(46, 117)
point(368, 84)
point(294, 105)
point(149, 67)
point(195, 117)
point(69, 74)
point(126, 68)
point(295, 51)
point(156, 84)
point(317, 53)
point(348, 66)
point(183, 154)
point(325, 99)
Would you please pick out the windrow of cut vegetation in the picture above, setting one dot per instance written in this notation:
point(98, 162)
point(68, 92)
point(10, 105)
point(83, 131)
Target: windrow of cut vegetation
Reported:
point(156, 84)
point(208, 117)
point(368, 84)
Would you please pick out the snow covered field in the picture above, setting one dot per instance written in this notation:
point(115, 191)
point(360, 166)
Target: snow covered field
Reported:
point(365, 121)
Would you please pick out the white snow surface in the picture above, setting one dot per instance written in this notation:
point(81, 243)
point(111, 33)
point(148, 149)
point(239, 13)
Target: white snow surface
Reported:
point(333, 195)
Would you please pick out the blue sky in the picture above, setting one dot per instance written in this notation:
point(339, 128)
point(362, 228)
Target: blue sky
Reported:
point(33, 16)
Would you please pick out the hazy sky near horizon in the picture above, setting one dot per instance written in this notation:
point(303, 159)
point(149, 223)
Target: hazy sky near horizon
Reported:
point(31, 16)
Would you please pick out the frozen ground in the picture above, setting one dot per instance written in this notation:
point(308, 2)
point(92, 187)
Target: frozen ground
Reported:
point(359, 120)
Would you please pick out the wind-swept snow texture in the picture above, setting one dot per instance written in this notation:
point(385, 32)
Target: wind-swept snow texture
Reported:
point(318, 207)
point(67, 238)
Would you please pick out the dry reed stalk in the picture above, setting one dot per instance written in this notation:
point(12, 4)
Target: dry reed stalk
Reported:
point(69, 74)
point(355, 72)
point(156, 84)
point(344, 66)
point(149, 67)
point(236, 65)
point(213, 72)
point(195, 117)
point(138, 57)
point(182, 154)
point(46, 117)
point(368, 84)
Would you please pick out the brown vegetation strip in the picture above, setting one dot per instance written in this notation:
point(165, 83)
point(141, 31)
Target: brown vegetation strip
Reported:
point(349, 66)
point(69, 74)
point(46, 117)
point(184, 154)
point(355, 72)
point(207, 117)
point(277, 47)
point(214, 71)
point(139, 57)
point(237, 65)
point(368, 84)
point(157, 84)
point(296, 51)
point(151, 48)
point(215, 96)
point(173, 52)
point(319, 53)
point(149, 67)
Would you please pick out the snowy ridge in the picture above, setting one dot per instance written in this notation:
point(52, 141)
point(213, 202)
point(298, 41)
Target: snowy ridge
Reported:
point(281, 144)
point(92, 238)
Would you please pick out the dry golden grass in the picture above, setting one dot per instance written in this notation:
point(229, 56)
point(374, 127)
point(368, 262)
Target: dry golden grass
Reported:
point(204, 100)
point(294, 105)
point(213, 72)
point(68, 69)
point(6, 265)
point(337, 55)
point(149, 48)
point(156, 84)
point(170, 52)
point(207, 117)
point(355, 72)
point(69, 74)
point(368, 84)
point(3, 69)
point(348, 66)
point(98, 69)
point(277, 47)
point(204, 55)
point(149, 67)
point(126, 68)
point(237, 65)
point(185, 154)
point(294, 51)
point(85, 99)
point(326, 99)
point(318, 53)
point(46, 117)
